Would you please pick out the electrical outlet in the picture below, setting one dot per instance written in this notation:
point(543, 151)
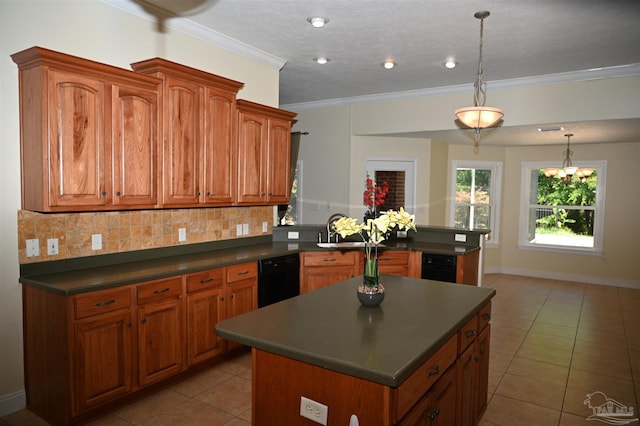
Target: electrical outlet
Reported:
point(265, 227)
point(96, 242)
point(33, 248)
point(461, 238)
point(239, 230)
point(52, 246)
point(245, 229)
point(293, 235)
point(182, 234)
point(313, 410)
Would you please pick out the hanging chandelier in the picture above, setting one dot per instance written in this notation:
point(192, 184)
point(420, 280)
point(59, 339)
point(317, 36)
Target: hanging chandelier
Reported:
point(479, 117)
point(568, 170)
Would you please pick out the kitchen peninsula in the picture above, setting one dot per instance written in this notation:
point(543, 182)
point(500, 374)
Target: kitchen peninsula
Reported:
point(390, 365)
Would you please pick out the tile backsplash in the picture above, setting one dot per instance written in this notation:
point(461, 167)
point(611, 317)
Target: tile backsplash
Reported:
point(123, 231)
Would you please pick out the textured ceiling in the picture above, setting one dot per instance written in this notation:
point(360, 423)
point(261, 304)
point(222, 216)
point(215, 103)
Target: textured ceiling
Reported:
point(521, 39)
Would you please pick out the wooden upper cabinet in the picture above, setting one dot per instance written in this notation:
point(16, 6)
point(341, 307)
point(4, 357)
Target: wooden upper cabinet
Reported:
point(198, 148)
point(78, 118)
point(134, 146)
point(264, 153)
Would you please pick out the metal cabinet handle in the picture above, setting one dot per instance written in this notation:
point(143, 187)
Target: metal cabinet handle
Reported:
point(208, 280)
point(164, 290)
point(329, 260)
point(486, 317)
point(481, 350)
point(105, 303)
point(434, 372)
point(470, 333)
point(118, 193)
point(243, 273)
point(144, 320)
point(232, 295)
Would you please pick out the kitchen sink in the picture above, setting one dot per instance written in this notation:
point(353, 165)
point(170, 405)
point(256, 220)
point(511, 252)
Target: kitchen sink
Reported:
point(345, 244)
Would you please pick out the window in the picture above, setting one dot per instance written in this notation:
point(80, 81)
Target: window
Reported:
point(562, 215)
point(476, 196)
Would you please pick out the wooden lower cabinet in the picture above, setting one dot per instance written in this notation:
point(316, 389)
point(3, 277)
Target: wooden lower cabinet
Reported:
point(322, 268)
point(438, 405)
point(161, 332)
point(103, 359)
point(89, 352)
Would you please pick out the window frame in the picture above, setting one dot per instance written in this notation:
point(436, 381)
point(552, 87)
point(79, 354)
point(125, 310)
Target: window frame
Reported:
point(527, 169)
point(493, 238)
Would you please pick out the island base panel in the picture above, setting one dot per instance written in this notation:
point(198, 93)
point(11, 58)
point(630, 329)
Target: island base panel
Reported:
point(280, 382)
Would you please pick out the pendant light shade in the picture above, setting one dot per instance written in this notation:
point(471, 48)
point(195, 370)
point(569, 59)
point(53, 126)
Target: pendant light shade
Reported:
point(479, 116)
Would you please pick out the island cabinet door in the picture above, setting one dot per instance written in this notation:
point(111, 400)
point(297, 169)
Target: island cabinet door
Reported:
point(482, 359)
point(160, 330)
point(467, 386)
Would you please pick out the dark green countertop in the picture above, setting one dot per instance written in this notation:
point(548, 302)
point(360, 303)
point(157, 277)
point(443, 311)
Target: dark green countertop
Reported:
point(329, 328)
point(91, 274)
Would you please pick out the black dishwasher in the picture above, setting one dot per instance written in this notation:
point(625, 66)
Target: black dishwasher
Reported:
point(439, 267)
point(278, 279)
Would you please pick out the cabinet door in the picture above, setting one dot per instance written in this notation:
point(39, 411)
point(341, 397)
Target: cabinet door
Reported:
point(278, 167)
point(77, 151)
point(182, 133)
point(242, 297)
point(482, 358)
point(467, 385)
point(160, 340)
point(103, 359)
point(252, 146)
point(314, 278)
point(204, 310)
point(219, 148)
point(134, 144)
point(442, 400)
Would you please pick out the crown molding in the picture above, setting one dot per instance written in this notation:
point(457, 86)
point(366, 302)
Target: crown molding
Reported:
point(200, 32)
point(566, 77)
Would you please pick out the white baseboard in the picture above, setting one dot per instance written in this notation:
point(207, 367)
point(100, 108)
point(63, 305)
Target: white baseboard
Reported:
point(586, 279)
point(12, 402)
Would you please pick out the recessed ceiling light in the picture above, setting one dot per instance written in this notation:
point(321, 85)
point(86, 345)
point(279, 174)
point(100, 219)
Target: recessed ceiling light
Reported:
point(388, 64)
point(450, 63)
point(321, 60)
point(318, 21)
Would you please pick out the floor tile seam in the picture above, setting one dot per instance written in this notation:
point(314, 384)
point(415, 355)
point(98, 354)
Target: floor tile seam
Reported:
point(529, 403)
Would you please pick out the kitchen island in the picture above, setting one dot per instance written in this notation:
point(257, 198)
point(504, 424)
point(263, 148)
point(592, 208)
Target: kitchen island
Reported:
point(379, 364)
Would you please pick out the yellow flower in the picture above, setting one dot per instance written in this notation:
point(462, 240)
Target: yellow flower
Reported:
point(374, 230)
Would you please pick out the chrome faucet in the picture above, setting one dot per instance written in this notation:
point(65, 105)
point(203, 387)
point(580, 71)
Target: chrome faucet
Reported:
point(332, 219)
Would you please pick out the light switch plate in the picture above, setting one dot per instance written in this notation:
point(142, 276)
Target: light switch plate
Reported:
point(245, 229)
point(182, 234)
point(293, 235)
point(33, 247)
point(239, 230)
point(265, 227)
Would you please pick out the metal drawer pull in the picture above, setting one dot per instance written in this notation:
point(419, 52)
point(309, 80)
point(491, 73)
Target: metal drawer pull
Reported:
point(108, 302)
point(329, 260)
point(434, 413)
point(164, 290)
point(434, 372)
point(486, 317)
point(243, 273)
point(208, 280)
point(470, 333)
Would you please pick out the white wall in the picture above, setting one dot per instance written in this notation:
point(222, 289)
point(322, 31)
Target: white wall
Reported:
point(96, 31)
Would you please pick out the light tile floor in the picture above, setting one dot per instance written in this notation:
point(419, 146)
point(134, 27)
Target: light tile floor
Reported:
point(552, 343)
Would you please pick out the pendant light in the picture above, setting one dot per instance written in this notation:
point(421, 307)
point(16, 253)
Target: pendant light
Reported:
point(568, 169)
point(479, 117)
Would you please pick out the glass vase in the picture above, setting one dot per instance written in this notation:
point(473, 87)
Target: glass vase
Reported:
point(371, 290)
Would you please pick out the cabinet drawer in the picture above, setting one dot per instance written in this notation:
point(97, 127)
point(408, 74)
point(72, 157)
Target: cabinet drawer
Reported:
point(424, 377)
point(205, 280)
point(241, 272)
point(99, 302)
point(484, 317)
point(393, 258)
point(167, 288)
point(467, 334)
point(330, 258)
